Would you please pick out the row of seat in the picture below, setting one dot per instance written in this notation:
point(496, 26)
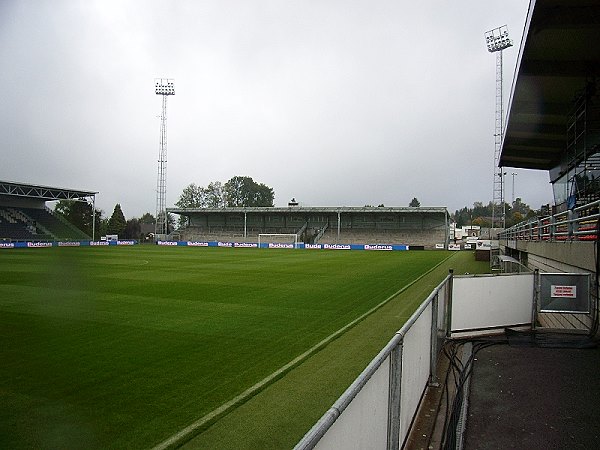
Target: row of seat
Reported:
point(35, 224)
point(426, 238)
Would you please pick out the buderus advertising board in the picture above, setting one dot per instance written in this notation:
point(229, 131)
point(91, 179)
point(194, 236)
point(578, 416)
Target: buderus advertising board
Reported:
point(267, 245)
point(67, 244)
point(280, 245)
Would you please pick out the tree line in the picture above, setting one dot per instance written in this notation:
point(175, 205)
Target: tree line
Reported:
point(481, 214)
point(81, 214)
point(243, 191)
point(238, 191)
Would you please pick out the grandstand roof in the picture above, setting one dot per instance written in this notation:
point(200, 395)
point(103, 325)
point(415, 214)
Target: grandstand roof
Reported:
point(558, 55)
point(313, 209)
point(36, 191)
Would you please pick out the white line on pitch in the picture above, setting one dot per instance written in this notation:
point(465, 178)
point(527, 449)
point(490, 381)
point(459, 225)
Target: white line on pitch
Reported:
point(182, 434)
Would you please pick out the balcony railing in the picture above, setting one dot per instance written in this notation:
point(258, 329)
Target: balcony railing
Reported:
point(378, 408)
point(578, 224)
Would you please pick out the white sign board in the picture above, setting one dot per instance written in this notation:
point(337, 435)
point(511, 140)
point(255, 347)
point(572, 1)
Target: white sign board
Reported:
point(484, 245)
point(557, 291)
point(564, 292)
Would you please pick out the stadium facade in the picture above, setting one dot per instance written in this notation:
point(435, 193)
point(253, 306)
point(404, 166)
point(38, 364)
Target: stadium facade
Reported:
point(419, 228)
point(553, 124)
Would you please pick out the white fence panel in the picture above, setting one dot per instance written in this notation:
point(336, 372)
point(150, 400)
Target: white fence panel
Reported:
point(364, 421)
point(416, 351)
point(441, 319)
point(380, 405)
point(491, 301)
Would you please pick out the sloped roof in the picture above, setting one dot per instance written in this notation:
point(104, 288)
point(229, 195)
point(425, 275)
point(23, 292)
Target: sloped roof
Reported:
point(558, 55)
point(48, 193)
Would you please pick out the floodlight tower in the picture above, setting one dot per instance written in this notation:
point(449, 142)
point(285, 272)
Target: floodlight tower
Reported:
point(498, 40)
point(164, 87)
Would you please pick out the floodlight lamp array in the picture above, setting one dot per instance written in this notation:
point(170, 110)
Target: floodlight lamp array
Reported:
point(497, 39)
point(164, 86)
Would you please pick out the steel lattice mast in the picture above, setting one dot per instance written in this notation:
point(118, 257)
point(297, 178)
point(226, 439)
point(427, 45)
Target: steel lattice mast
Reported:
point(498, 40)
point(164, 87)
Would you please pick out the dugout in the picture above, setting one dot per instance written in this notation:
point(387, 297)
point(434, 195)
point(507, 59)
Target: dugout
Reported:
point(422, 227)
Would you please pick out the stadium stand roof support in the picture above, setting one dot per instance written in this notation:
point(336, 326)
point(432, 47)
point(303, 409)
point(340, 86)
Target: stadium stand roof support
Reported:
point(314, 209)
point(559, 55)
point(39, 192)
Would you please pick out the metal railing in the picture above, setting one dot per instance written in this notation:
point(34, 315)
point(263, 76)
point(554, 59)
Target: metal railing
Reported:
point(376, 411)
point(578, 224)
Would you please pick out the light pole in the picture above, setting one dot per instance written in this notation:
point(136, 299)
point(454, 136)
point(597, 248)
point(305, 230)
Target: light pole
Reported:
point(498, 40)
point(501, 175)
point(514, 174)
point(164, 87)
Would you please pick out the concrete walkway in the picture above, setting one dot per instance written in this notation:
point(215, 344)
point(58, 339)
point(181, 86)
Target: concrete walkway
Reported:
point(532, 397)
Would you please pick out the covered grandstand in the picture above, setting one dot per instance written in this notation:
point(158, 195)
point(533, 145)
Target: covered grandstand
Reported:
point(553, 124)
point(553, 121)
point(422, 227)
point(24, 215)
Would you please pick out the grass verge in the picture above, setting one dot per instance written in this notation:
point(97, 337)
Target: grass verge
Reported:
point(123, 347)
point(281, 414)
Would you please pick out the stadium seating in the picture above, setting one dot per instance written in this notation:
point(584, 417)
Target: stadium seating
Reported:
point(229, 233)
point(35, 224)
point(416, 228)
point(15, 231)
point(56, 225)
point(416, 238)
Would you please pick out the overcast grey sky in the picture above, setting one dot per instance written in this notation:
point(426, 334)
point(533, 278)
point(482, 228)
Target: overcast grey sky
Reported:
point(335, 103)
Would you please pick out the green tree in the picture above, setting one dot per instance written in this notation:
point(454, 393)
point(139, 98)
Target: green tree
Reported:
point(244, 191)
point(519, 206)
point(481, 214)
point(214, 195)
point(517, 217)
point(481, 210)
point(80, 214)
point(101, 227)
point(192, 196)
point(133, 229)
point(116, 223)
point(147, 218)
point(463, 217)
point(482, 222)
point(414, 203)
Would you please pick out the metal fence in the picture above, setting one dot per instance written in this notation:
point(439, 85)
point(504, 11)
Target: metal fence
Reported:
point(578, 224)
point(377, 410)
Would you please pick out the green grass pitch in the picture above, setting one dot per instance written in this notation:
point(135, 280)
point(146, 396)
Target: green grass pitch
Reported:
point(123, 347)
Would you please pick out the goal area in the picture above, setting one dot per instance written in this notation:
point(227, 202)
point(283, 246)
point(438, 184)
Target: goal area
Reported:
point(278, 238)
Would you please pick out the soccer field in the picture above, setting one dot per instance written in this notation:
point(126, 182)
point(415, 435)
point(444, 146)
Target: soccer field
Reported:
point(124, 347)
